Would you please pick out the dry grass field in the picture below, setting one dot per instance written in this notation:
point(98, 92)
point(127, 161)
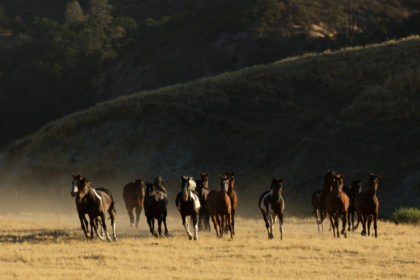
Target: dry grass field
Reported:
point(52, 247)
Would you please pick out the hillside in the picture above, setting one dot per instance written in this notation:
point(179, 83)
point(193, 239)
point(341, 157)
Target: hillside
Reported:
point(355, 110)
point(59, 57)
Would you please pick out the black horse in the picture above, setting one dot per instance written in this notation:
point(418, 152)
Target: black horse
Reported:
point(95, 203)
point(188, 204)
point(155, 205)
point(352, 191)
point(202, 190)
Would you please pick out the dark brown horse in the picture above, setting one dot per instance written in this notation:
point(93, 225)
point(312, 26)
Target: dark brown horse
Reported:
point(95, 203)
point(233, 198)
point(337, 203)
point(352, 191)
point(133, 194)
point(203, 191)
point(318, 199)
point(155, 205)
point(367, 205)
point(271, 204)
point(218, 203)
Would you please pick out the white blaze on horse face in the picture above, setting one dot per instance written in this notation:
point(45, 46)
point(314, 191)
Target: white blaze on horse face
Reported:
point(225, 185)
point(185, 191)
point(75, 188)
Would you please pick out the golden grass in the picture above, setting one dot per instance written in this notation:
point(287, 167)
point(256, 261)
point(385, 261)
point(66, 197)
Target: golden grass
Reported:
point(52, 247)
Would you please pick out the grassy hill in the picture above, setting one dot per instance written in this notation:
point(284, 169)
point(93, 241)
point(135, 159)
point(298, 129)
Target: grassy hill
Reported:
point(355, 110)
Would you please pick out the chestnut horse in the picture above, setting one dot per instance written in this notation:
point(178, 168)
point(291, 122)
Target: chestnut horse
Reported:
point(367, 205)
point(271, 204)
point(352, 191)
point(233, 199)
point(219, 206)
point(337, 203)
point(202, 190)
point(318, 199)
point(95, 203)
point(133, 194)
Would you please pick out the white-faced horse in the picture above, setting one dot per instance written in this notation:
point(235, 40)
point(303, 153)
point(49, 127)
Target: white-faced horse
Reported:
point(271, 204)
point(188, 204)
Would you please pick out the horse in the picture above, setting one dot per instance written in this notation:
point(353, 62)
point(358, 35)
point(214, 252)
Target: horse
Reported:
point(337, 203)
point(155, 205)
point(367, 205)
point(219, 206)
point(233, 198)
point(188, 204)
point(94, 203)
point(271, 204)
point(352, 191)
point(202, 190)
point(133, 194)
point(318, 199)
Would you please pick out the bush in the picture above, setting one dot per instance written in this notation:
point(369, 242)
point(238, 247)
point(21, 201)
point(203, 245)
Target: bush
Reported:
point(406, 215)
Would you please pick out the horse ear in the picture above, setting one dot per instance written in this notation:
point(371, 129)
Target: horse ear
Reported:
point(232, 174)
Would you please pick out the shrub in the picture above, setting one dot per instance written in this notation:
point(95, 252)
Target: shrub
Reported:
point(406, 215)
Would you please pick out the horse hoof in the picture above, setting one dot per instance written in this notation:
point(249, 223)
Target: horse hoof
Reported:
point(363, 233)
point(195, 238)
point(189, 237)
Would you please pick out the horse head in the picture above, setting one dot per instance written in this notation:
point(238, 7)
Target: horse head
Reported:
point(356, 187)
point(78, 184)
point(231, 176)
point(224, 183)
point(277, 187)
point(329, 181)
point(204, 176)
point(338, 183)
point(373, 182)
point(187, 183)
point(140, 183)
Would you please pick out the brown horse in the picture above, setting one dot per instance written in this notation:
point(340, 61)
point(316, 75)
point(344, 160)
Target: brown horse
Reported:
point(318, 199)
point(367, 205)
point(219, 206)
point(271, 204)
point(337, 203)
point(233, 198)
point(203, 191)
point(95, 203)
point(133, 194)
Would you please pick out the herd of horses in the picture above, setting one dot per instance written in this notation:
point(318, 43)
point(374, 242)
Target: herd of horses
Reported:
point(197, 201)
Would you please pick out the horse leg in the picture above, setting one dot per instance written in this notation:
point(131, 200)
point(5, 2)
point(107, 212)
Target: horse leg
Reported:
point(195, 224)
point(270, 219)
point(344, 221)
point(316, 218)
point(369, 223)
point(102, 215)
point(267, 225)
point(213, 218)
point(348, 221)
point(222, 223)
point(363, 220)
point(112, 215)
point(281, 226)
point(337, 225)
point(375, 223)
point(200, 220)
point(130, 214)
point(151, 222)
point(358, 221)
point(207, 221)
point(83, 223)
point(332, 224)
point(233, 221)
point(160, 220)
point(186, 226)
point(138, 211)
point(165, 213)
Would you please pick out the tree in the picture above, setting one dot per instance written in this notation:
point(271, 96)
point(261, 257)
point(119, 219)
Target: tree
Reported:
point(100, 11)
point(74, 13)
